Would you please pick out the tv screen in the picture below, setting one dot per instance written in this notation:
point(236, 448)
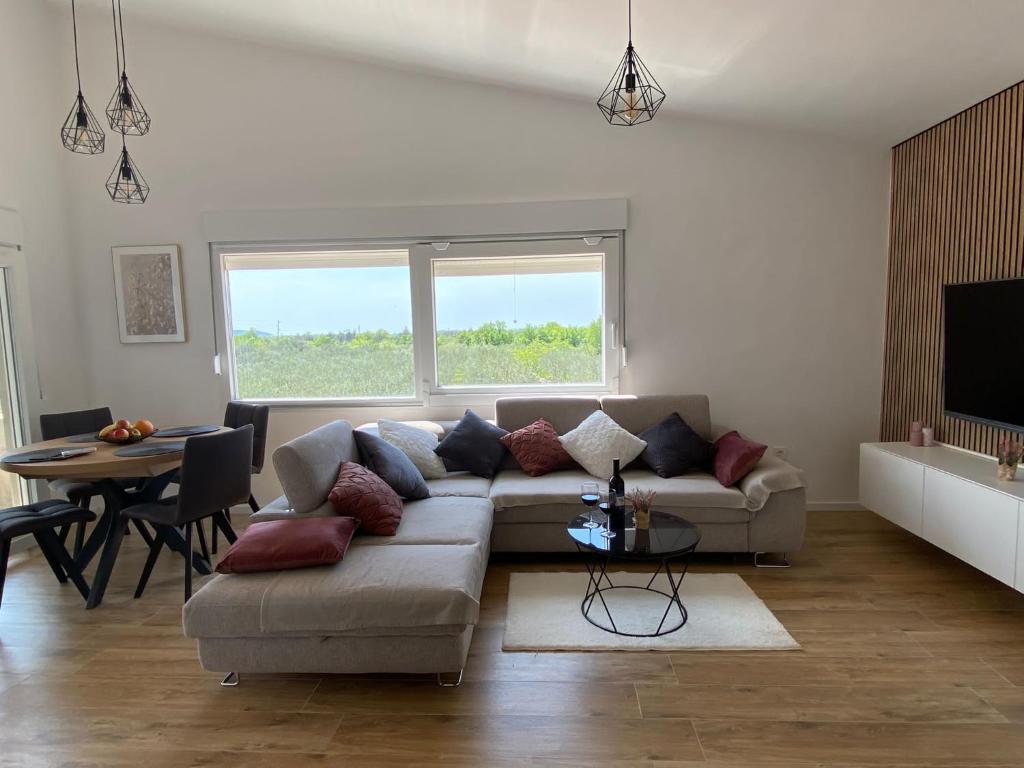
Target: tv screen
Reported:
point(983, 367)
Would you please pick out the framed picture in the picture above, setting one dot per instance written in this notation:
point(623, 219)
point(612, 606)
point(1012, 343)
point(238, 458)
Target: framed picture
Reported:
point(147, 284)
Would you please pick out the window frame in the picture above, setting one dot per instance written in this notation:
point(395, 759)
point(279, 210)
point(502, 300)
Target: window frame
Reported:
point(427, 392)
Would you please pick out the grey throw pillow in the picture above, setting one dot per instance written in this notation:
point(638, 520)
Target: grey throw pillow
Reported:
point(474, 444)
point(674, 448)
point(392, 466)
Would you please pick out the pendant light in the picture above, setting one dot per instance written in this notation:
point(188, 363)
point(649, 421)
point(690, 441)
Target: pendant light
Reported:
point(125, 184)
point(81, 132)
point(632, 96)
point(125, 112)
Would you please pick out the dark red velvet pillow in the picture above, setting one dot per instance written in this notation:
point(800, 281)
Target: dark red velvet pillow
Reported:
point(537, 448)
point(280, 545)
point(735, 456)
point(361, 494)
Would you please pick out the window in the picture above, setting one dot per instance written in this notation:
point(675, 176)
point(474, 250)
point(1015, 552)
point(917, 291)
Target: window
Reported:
point(320, 325)
point(418, 324)
point(518, 321)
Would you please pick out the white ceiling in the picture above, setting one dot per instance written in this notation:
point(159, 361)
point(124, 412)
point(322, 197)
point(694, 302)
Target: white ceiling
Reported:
point(879, 70)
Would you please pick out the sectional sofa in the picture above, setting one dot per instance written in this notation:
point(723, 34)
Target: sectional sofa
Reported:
point(409, 603)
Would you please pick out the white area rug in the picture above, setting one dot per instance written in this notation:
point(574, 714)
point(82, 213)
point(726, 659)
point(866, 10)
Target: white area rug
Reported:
point(724, 614)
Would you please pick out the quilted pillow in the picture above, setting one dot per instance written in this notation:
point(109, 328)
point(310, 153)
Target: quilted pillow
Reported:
point(394, 467)
point(673, 448)
point(418, 444)
point(280, 545)
point(363, 495)
point(735, 457)
point(474, 444)
point(537, 448)
point(598, 440)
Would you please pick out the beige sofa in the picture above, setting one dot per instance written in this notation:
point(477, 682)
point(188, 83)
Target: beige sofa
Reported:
point(409, 603)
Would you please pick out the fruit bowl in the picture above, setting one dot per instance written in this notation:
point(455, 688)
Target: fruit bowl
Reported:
point(124, 432)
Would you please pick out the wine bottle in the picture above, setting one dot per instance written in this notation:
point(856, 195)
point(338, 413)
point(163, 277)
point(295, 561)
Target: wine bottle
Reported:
point(616, 487)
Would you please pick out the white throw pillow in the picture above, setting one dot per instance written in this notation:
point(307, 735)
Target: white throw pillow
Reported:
point(418, 444)
point(598, 440)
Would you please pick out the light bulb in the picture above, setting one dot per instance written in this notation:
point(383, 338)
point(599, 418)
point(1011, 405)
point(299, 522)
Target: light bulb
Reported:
point(632, 113)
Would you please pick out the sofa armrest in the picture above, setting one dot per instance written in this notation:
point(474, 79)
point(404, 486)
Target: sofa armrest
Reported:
point(771, 475)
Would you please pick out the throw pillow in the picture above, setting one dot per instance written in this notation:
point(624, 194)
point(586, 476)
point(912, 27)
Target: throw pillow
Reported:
point(361, 494)
point(598, 440)
point(418, 444)
point(735, 457)
point(474, 444)
point(394, 467)
point(674, 448)
point(537, 448)
point(281, 545)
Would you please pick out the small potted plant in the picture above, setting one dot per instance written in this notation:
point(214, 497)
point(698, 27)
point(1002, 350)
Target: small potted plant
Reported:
point(641, 501)
point(1009, 456)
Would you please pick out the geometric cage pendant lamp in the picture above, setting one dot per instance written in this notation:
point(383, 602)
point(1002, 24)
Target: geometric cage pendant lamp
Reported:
point(632, 96)
point(125, 112)
point(81, 132)
point(125, 184)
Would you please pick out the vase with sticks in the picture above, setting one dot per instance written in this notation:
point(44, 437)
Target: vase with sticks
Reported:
point(641, 500)
point(1008, 455)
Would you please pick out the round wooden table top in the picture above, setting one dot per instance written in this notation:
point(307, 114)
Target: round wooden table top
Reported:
point(100, 464)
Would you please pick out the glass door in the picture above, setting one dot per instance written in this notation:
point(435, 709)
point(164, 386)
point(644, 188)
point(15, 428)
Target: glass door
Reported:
point(13, 490)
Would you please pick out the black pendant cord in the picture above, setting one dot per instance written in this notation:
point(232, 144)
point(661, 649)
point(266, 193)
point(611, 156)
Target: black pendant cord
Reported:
point(120, 24)
point(74, 28)
point(117, 46)
point(629, 12)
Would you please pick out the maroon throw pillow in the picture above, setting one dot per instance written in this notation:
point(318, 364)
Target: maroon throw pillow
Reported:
point(735, 456)
point(537, 448)
point(361, 494)
point(280, 545)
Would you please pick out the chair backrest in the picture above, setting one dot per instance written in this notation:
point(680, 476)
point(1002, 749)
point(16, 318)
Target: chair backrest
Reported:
point(54, 425)
point(238, 415)
point(215, 473)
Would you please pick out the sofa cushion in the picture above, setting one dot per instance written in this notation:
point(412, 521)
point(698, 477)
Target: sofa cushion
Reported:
point(696, 489)
point(564, 413)
point(361, 494)
point(537, 449)
point(460, 484)
point(637, 412)
point(474, 444)
point(735, 457)
point(391, 465)
point(418, 444)
point(674, 448)
point(308, 465)
point(514, 488)
point(438, 520)
point(373, 587)
point(598, 441)
point(282, 545)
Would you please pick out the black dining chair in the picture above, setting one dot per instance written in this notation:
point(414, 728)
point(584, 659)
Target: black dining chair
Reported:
point(80, 492)
point(216, 474)
point(237, 415)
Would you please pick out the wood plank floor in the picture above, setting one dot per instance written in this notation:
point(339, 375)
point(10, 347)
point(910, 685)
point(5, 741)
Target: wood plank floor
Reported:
point(908, 658)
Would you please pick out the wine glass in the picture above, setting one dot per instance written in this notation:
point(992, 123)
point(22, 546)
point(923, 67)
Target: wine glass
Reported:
point(590, 494)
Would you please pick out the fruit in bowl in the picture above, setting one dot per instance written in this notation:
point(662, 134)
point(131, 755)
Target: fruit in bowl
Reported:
point(124, 432)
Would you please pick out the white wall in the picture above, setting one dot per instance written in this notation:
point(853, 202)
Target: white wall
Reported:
point(755, 259)
point(36, 91)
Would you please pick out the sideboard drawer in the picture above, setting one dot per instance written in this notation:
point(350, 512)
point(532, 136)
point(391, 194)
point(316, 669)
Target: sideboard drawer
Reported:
point(892, 487)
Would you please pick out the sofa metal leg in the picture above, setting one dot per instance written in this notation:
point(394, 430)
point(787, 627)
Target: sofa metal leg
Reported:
point(771, 560)
point(445, 679)
point(231, 680)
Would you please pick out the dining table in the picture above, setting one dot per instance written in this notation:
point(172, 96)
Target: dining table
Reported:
point(123, 480)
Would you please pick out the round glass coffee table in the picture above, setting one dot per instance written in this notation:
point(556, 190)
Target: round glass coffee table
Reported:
point(668, 538)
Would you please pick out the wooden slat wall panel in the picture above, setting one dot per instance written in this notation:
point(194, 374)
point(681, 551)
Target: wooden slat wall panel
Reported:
point(955, 216)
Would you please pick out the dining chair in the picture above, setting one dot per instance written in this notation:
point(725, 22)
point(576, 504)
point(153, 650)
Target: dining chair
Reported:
point(216, 474)
point(237, 415)
point(81, 492)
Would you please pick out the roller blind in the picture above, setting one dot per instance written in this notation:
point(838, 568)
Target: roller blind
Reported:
point(317, 259)
point(519, 265)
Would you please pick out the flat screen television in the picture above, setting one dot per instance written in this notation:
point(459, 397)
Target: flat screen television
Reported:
point(983, 364)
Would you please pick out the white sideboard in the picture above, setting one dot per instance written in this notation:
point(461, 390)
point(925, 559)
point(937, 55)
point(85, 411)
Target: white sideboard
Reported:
point(952, 499)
